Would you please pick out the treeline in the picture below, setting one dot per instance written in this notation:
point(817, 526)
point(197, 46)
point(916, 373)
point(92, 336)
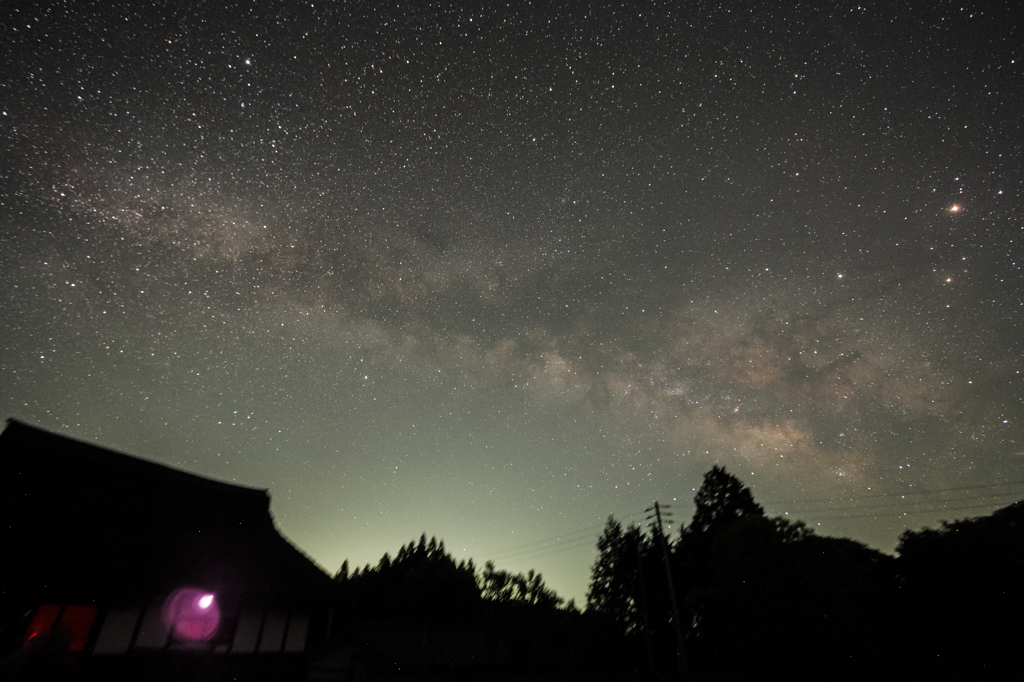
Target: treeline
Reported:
point(422, 613)
point(735, 594)
point(768, 597)
point(424, 582)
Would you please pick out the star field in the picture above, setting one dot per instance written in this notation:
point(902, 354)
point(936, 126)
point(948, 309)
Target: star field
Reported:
point(495, 272)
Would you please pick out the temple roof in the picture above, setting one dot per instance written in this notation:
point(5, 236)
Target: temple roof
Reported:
point(87, 522)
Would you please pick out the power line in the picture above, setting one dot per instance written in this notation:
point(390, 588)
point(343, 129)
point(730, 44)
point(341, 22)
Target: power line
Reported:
point(898, 513)
point(546, 551)
point(542, 545)
point(555, 544)
point(898, 506)
point(900, 503)
point(913, 492)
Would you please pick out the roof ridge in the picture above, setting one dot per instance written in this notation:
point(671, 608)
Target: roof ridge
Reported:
point(142, 466)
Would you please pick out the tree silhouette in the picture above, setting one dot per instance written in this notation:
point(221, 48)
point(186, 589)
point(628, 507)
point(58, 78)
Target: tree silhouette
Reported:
point(615, 589)
point(751, 588)
point(423, 611)
point(421, 582)
point(771, 582)
point(721, 501)
point(768, 597)
point(963, 593)
point(502, 586)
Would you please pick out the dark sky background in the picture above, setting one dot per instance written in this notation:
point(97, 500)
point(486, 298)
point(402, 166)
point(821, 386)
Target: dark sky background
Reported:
point(495, 272)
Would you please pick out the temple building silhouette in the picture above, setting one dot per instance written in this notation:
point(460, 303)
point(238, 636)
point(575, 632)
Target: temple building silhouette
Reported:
point(120, 568)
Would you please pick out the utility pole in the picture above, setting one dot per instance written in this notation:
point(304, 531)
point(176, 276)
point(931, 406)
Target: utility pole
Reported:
point(683, 667)
point(639, 577)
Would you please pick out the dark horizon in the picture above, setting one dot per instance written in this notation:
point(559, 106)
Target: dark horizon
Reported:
point(125, 569)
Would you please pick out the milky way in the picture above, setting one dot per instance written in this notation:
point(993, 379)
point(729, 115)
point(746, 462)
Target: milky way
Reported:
point(495, 273)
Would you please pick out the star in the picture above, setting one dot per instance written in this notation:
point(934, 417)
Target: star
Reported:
point(555, 284)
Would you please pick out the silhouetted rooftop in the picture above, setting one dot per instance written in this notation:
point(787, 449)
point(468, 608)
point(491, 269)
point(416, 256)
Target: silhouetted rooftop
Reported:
point(85, 521)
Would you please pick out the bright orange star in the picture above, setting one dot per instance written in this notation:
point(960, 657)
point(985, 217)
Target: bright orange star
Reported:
point(955, 208)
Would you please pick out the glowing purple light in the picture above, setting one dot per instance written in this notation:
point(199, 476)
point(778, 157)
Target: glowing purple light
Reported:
point(191, 614)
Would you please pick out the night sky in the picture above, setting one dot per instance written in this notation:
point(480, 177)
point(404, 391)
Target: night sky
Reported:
point(495, 272)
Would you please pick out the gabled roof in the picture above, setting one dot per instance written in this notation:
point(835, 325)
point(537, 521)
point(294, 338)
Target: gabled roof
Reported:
point(74, 456)
point(83, 520)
